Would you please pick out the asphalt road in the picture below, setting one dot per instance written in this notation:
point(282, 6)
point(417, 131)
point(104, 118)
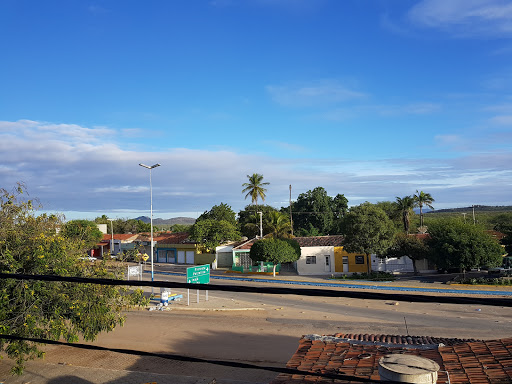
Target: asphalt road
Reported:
point(265, 329)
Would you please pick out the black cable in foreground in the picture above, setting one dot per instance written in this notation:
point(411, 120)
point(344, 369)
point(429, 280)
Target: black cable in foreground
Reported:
point(315, 292)
point(169, 356)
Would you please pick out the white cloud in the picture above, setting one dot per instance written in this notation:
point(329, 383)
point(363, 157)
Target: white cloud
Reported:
point(465, 18)
point(315, 94)
point(502, 120)
point(97, 176)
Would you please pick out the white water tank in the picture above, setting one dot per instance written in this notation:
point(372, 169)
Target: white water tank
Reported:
point(408, 369)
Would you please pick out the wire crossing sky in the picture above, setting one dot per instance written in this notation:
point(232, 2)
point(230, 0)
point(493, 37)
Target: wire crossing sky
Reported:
point(371, 99)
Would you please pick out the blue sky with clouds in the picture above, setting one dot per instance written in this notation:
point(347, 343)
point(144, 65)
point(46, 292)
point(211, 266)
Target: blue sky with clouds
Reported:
point(370, 98)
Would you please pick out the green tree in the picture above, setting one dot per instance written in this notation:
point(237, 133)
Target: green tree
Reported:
point(455, 244)
point(212, 233)
point(249, 219)
point(408, 245)
point(275, 251)
point(31, 244)
point(339, 209)
point(277, 224)
point(313, 212)
point(423, 199)
point(255, 188)
point(394, 215)
point(125, 225)
point(367, 230)
point(181, 228)
point(404, 206)
point(219, 212)
point(502, 222)
point(84, 232)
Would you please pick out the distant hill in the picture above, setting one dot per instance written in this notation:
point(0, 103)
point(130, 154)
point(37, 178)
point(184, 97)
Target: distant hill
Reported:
point(479, 208)
point(174, 220)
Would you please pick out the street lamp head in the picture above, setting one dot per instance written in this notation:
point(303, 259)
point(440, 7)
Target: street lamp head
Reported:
point(149, 167)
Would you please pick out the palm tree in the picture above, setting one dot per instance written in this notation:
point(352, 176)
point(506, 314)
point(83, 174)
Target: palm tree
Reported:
point(405, 205)
point(278, 224)
point(254, 188)
point(423, 199)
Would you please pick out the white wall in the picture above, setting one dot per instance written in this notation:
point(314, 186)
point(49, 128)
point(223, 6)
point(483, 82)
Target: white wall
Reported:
point(319, 267)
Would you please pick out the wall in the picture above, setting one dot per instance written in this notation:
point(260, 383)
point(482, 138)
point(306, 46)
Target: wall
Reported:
point(352, 265)
point(204, 258)
point(319, 267)
point(392, 264)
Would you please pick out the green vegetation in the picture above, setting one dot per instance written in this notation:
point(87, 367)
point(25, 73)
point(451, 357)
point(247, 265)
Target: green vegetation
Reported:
point(372, 276)
point(315, 213)
point(275, 251)
point(125, 225)
point(31, 244)
point(368, 230)
point(454, 244)
point(485, 281)
point(212, 233)
point(255, 188)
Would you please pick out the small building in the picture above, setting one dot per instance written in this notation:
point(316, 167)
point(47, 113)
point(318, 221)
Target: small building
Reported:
point(178, 248)
point(324, 255)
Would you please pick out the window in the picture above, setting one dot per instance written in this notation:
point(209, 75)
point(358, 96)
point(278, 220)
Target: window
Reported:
point(359, 259)
point(326, 260)
point(345, 259)
point(310, 259)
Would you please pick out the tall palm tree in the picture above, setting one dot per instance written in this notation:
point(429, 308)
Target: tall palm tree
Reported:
point(405, 205)
point(254, 188)
point(423, 199)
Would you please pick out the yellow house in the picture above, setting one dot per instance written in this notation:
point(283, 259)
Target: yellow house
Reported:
point(345, 262)
point(324, 255)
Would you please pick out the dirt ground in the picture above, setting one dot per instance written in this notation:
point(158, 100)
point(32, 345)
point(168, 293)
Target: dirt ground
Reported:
point(260, 329)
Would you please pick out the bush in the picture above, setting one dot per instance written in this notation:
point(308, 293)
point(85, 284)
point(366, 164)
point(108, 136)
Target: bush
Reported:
point(373, 276)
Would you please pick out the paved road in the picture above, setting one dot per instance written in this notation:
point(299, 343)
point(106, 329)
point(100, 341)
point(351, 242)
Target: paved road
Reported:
point(252, 328)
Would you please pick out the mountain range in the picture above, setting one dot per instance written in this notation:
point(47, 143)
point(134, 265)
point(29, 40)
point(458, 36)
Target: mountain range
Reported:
point(174, 220)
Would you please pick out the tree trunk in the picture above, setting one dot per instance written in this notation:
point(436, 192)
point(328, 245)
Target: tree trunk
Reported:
point(415, 269)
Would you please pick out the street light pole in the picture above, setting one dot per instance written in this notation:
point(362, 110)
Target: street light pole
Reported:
point(151, 211)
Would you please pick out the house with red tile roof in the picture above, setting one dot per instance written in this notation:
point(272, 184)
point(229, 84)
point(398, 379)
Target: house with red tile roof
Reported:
point(357, 356)
point(178, 248)
point(234, 253)
point(320, 255)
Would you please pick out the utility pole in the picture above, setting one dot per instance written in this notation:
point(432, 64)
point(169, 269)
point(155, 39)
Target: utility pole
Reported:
point(474, 221)
point(112, 233)
point(261, 224)
point(291, 221)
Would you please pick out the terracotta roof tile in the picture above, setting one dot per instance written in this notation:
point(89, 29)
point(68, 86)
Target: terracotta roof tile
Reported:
point(121, 236)
point(460, 361)
point(320, 241)
point(245, 244)
point(174, 238)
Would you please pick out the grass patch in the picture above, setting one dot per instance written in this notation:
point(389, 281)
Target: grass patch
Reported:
point(485, 281)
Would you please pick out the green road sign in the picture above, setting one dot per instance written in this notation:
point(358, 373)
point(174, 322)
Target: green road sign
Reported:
point(199, 274)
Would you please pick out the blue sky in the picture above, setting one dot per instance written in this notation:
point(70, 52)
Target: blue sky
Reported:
point(369, 98)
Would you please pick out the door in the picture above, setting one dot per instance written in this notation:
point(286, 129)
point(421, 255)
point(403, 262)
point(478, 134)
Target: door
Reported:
point(345, 264)
point(190, 257)
point(181, 257)
point(327, 263)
